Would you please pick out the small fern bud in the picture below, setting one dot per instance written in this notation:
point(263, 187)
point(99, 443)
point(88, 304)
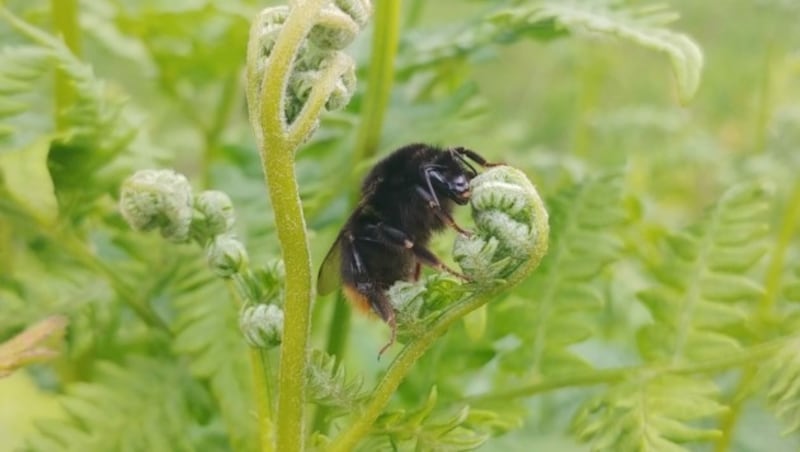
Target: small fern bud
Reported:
point(262, 325)
point(344, 89)
point(217, 211)
point(511, 222)
point(339, 23)
point(226, 255)
point(160, 199)
point(406, 298)
point(334, 31)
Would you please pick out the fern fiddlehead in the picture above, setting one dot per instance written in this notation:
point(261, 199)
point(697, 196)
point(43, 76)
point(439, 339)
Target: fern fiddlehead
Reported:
point(290, 80)
point(506, 204)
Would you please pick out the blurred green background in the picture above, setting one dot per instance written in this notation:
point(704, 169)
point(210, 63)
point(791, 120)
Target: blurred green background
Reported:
point(560, 109)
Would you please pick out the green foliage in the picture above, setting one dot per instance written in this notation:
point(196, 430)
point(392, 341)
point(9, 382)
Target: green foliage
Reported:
point(705, 289)
point(649, 413)
point(636, 333)
point(142, 405)
point(566, 294)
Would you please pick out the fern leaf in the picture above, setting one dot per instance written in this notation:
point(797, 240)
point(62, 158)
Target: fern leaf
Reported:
point(207, 328)
point(780, 376)
point(704, 287)
point(329, 386)
point(459, 429)
point(145, 405)
point(643, 26)
point(21, 67)
point(564, 292)
point(648, 414)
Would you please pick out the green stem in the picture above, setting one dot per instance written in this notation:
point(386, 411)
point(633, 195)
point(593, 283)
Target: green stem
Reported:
point(610, 376)
point(259, 364)
point(404, 361)
point(791, 219)
point(65, 21)
point(380, 78)
point(276, 148)
point(220, 119)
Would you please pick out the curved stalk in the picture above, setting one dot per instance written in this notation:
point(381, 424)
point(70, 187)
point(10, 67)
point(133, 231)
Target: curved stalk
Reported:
point(276, 148)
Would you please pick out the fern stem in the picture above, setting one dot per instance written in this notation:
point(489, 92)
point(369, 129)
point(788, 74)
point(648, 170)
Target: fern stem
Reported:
point(385, 36)
point(65, 21)
point(380, 79)
point(277, 156)
point(404, 361)
point(263, 399)
point(220, 119)
point(610, 376)
point(776, 265)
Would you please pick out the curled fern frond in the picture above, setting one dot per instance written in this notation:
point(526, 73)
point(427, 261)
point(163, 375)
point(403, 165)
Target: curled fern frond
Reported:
point(704, 286)
point(512, 225)
point(565, 293)
point(648, 414)
point(643, 26)
point(338, 24)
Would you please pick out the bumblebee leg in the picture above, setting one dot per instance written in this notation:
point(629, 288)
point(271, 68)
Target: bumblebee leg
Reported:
point(381, 305)
point(363, 290)
point(383, 233)
point(474, 156)
point(431, 172)
point(427, 257)
point(444, 216)
point(417, 271)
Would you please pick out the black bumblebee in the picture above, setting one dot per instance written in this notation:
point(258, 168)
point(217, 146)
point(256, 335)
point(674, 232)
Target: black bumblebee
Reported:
point(405, 198)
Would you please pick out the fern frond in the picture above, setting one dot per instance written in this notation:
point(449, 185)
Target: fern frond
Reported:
point(93, 131)
point(95, 117)
point(564, 295)
point(460, 429)
point(648, 414)
point(703, 284)
point(329, 386)
point(780, 377)
point(207, 331)
point(21, 68)
point(144, 405)
point(643, 26)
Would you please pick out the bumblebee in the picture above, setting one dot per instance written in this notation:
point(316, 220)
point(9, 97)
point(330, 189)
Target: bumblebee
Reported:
point(405, 199)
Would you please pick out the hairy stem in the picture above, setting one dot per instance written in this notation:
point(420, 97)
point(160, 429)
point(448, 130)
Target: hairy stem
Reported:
point(277, 149)
point(65, 21)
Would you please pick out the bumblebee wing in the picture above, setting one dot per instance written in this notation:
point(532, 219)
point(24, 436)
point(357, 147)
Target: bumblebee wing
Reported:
point(330, 273)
